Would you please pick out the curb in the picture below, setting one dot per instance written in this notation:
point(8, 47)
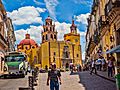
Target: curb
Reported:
point(105, 78)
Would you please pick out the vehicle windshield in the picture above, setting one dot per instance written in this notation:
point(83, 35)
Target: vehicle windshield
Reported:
point(17, 58)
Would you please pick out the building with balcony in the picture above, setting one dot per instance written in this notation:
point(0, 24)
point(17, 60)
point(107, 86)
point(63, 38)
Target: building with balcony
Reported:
point(3, 35)
point(105, 15)
point(10, 35)
point(7, 36)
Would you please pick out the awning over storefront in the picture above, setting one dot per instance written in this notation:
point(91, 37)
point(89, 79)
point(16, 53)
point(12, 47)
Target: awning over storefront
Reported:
point(114, 50)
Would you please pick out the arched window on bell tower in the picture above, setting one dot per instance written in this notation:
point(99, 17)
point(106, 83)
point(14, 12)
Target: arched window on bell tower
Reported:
point(46, 37)
point(55, 37)
point(46, 23)
point(43, 37)
point(46, 28)
point(51, 36)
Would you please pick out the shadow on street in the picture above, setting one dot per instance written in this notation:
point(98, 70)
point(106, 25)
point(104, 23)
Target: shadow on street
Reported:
point(74, 73)
point(94, 82)
point(11, 77)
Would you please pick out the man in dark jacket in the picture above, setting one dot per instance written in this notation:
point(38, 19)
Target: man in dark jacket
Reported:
point(54, 78)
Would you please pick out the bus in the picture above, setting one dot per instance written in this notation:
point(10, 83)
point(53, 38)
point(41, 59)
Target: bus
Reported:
point(15, 64)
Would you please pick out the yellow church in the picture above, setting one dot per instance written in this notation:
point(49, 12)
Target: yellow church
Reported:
point(53, 51)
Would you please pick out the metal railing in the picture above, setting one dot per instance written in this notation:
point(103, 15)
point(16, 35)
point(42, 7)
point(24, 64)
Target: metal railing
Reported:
point(110, 5)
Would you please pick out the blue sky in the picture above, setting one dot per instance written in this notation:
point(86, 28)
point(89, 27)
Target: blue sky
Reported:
point(29, 15)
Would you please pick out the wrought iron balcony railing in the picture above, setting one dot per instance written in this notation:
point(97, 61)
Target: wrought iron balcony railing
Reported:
point(110, 5)
point(102, 22)
point(96, 37)
point(3, 39)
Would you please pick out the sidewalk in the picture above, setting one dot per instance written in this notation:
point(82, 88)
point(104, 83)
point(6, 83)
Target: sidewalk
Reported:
point(104, 75)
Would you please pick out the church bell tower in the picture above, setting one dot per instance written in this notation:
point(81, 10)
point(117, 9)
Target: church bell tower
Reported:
point(49, 33)
point(73, 28)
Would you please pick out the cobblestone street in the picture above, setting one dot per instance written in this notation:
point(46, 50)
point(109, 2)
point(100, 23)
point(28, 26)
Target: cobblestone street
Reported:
point(69, 82)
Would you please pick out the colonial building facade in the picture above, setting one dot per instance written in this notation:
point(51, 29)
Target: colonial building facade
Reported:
point(103, 30)
point(3, 30)
point(10, 35)
point(7, 36)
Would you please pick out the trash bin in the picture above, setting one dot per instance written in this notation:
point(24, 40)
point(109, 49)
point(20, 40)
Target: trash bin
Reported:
point(118, 80)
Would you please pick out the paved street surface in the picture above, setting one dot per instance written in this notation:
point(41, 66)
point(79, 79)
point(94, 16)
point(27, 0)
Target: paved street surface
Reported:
point(93, 82)
point(69, 82)
point(13, 84)
point(81, 81)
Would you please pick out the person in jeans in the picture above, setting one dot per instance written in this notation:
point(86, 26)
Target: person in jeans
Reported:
point(93, 67)
point(110, 67)
point(54, 78)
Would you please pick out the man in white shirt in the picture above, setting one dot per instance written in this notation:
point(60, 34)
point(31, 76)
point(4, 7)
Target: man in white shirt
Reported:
point(93, 67)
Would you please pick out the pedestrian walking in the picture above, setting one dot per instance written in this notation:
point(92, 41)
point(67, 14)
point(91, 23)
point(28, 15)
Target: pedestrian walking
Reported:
point(110, 67)
point(46, 67)
point(71, 68)
point(80, 68)
point(112, 58)
point(54, 78)
point(103, 64)
point(100, 65)
point(93, 67)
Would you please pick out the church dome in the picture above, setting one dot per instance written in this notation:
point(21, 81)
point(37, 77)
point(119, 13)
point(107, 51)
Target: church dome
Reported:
point(28, 41)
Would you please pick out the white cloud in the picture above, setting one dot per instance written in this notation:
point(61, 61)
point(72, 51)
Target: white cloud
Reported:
point(82, 33)
point(83, 2)
point(83, 55)
point(26, 15)
point(62, 28)
point(50, 5)
point(82, 18)
point(34, 31)
point(38, 3)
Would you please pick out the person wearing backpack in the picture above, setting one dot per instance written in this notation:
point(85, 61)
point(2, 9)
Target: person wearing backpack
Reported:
point(54, 76)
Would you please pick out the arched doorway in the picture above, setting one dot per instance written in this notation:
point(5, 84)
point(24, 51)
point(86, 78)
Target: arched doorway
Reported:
point(67, 65)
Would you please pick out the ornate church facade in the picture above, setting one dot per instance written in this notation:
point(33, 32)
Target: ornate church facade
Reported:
point(51, 50)
point(60, 52)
